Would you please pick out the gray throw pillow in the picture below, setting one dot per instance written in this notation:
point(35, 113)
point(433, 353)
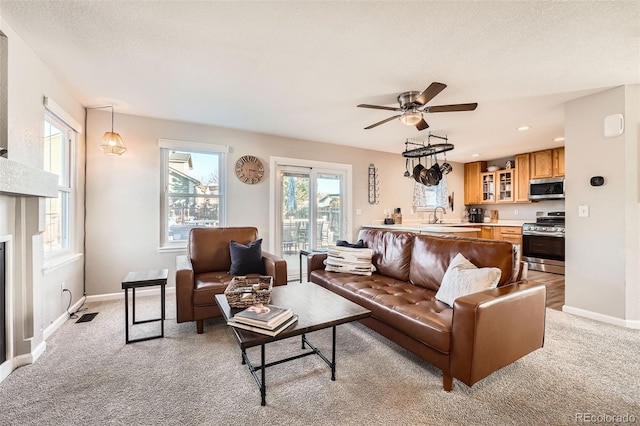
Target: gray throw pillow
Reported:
point(246, 259)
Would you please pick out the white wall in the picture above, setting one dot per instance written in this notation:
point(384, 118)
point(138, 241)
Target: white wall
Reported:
point(123, 193)
point(602, 250)
point(29, 80)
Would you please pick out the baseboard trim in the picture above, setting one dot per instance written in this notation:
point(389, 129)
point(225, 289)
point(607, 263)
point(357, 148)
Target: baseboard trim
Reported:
point(14, 363)
point(59, 321)
point(120, 295)
point(39, 350)
point(601, 317)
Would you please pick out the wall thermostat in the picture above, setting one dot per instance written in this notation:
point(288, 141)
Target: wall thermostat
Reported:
point(597, 181)
point(613, 125)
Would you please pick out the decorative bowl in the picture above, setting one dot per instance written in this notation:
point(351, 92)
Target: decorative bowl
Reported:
point(493, 168)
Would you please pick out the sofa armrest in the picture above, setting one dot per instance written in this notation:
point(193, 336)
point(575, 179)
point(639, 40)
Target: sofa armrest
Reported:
point(493, 328)
point(315, 261)
point(184, 288)
point(276, 267)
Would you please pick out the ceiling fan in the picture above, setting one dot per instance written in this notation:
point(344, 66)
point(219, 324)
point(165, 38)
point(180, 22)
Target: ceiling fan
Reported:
point(412, 106)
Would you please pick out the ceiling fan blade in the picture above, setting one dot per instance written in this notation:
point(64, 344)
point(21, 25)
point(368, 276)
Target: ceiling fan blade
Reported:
point(422, 125)
point(378, 107)
point(381, 122)
point(449, 108)
point(430, 93)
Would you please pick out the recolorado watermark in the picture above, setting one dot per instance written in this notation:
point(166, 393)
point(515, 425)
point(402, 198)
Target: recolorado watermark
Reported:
point(605, 418)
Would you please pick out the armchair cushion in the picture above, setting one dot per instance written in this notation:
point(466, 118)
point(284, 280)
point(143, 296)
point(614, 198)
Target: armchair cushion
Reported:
point(246, 259)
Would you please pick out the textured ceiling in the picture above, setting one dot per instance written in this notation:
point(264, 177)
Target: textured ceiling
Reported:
point(298, 69)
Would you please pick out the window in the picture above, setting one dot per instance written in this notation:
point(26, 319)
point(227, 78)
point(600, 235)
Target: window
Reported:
point(430, 197)
point(194, 190)
point(59, 139)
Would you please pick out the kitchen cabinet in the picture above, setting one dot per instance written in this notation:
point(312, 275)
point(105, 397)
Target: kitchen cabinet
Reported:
point(541, 164)
point(522, 178)
point(488, 187)
point(558, 162)
point(498, 187)
point(486, 232)
point(506, 185)
point(547, 163)
point(513, 234)
point(472, 181)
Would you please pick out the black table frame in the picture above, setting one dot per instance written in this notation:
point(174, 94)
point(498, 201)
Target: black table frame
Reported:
point(247, 339)
point(305, 252)
point(140, 279)
point(262, 382)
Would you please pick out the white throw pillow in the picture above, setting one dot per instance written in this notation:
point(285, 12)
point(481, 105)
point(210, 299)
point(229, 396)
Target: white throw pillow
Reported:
point(463, 277)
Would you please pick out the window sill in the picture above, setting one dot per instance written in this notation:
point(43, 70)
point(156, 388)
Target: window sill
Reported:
point(58, 262)
point(182, 249)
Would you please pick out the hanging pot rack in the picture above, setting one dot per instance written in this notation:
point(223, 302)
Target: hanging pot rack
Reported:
point(428, 150)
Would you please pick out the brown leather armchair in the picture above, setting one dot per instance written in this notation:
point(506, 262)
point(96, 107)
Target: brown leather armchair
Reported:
point(204, 271)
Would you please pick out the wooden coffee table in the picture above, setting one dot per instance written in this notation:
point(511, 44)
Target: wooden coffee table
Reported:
point(317, 308)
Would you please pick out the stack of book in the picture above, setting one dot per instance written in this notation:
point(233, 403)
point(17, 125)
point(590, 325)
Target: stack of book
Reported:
point(264, 319)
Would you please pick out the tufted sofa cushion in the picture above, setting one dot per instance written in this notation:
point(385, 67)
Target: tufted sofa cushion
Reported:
point(431, 257)
point(411, 309)
point(391, 251)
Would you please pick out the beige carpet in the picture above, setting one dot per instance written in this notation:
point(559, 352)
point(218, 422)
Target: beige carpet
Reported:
point(89, 376)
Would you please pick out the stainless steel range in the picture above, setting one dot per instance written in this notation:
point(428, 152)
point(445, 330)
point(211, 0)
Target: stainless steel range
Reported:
point(543, 243)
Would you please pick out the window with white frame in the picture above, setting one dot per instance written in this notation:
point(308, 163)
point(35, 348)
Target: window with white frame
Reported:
point(59, 139)
point(193, 189)
point(430, 197)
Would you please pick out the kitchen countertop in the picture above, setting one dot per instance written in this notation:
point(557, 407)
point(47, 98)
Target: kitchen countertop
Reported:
point(431, 228)
point(420, 224)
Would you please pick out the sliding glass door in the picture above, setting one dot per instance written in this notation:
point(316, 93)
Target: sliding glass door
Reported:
point(311, 212)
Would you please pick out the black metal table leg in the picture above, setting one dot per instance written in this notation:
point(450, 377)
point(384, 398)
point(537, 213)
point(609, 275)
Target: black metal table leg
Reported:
point(133, 301)
point(333, 355)
point(126, 315)
point(300, 265)
point(263, 386)
point(162, 314)
point(303, 346)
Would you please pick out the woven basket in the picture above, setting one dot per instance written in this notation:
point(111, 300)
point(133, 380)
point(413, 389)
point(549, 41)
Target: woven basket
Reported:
point(243, 292)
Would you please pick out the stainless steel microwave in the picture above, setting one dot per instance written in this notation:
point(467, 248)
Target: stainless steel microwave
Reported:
point(546, 189)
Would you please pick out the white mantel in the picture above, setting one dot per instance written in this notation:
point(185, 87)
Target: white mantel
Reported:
point(26, 187)
point(21, 180)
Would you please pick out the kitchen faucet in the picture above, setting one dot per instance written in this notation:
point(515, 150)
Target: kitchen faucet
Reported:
point(435, 214)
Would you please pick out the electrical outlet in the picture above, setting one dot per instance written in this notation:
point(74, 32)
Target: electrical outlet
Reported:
point(515, 212)
point(358, 212)
point(583, 211)
point(62, 289)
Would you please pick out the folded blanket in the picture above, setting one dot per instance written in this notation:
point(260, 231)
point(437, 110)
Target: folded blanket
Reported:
point(349, 260)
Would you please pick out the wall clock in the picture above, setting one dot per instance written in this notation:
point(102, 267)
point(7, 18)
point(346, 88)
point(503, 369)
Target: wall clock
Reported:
point(249, 169)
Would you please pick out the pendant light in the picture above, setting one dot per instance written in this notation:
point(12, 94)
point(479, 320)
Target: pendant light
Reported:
point(111, 143)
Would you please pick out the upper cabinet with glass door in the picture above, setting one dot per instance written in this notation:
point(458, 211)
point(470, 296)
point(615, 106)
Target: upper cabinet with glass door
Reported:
point(498, 187)
point(488, 187)
point(506, 185)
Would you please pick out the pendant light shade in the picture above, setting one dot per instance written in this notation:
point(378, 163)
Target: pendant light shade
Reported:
point(111, 142)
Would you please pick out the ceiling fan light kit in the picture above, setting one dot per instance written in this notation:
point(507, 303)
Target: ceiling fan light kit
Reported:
point(411, 118)
point(410, 104)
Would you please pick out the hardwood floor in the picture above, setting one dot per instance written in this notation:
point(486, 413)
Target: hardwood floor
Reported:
point(555, 287)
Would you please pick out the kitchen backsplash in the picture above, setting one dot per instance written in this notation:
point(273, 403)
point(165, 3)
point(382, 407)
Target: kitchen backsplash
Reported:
point(525, 211)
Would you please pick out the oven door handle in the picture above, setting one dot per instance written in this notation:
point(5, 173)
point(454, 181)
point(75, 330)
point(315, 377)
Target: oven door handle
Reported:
point(544, 234)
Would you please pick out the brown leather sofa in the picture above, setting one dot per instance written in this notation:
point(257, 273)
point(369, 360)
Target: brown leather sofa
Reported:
point(204, 271)
point(480, 334)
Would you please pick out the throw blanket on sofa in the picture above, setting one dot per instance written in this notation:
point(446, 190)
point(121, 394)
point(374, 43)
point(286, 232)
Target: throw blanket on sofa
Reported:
point(350, 260)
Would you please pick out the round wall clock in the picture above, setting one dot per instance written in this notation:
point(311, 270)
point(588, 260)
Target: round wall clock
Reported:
point(249, 169)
